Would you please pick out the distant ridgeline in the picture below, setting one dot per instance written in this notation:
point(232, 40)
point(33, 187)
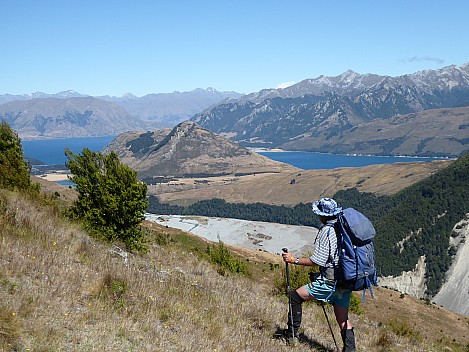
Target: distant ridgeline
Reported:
point(428, 210)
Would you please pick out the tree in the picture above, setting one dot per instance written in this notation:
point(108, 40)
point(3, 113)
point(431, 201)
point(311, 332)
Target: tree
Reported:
point(14, 170)
point(111, 200)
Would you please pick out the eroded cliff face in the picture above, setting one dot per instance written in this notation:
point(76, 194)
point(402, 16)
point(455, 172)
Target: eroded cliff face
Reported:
point(454, 294)
point(410, 282)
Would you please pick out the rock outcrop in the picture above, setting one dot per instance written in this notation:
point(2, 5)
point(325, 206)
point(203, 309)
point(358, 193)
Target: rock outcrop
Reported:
point(410, 282)
point(454, 294)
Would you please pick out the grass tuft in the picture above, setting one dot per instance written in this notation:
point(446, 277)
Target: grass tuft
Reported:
point(10, 328)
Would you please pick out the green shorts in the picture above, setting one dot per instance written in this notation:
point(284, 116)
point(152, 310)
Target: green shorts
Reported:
point(324, 290)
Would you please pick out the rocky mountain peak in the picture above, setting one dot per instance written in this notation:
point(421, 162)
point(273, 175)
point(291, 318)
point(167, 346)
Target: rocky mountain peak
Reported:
point(188, 150)
point(465, 67)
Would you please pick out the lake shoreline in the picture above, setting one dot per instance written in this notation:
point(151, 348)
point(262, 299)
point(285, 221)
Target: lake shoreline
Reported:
point(54, 177)
point(51, 153)
point(277, 150)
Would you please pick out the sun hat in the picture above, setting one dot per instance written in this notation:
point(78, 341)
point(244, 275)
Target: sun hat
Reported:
point(326, 207)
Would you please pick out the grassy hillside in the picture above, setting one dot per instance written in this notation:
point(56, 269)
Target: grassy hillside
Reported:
point(61, 290)
point(416, 221)
point(294, 187)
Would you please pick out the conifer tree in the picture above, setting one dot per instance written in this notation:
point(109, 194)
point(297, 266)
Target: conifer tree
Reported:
point(14, 170)
point(111, 200)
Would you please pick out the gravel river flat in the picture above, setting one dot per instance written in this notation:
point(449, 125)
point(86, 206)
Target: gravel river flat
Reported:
point(263, 236)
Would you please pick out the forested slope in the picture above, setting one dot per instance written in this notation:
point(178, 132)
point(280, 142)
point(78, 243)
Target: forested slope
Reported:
point(421, 217)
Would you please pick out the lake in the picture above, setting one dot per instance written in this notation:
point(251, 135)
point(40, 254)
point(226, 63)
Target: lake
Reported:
point(316, 161)
point(51, 152)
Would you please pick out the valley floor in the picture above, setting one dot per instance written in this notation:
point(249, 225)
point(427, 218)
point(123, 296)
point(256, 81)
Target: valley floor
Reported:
point(262, 236)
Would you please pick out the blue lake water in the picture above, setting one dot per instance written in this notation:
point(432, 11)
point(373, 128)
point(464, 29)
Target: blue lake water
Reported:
point(51, 152)
point(315, 161)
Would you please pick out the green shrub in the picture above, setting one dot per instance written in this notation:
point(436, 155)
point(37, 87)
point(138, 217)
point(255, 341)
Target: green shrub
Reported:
point(355, 305)
point(159, 238)
point(111, 200)
point(401, 328)
point(14, 170)
point(219, 254)
point(299, 276)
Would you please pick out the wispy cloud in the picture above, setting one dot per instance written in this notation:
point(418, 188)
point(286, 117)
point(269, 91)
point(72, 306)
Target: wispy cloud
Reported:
point(424, 58)
point(284, 85)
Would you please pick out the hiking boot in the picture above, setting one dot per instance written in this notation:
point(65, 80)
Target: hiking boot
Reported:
point(290, 340)
point(348, 337)
point(294, 318)
point(293, 341)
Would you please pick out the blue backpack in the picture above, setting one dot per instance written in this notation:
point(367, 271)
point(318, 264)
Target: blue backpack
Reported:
point(356, 270)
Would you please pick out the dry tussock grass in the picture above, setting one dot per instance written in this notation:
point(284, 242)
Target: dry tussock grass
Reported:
point(309, 184)
point(63, 291)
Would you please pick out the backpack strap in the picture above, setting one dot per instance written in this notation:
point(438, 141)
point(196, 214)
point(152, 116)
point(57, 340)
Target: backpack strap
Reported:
point(333, 263)
point(329, 258)
point(368, 284)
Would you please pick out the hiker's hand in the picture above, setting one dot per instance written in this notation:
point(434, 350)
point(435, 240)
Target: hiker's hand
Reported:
point(288, 257)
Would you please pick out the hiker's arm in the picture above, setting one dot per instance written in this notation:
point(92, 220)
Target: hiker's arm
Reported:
point(289, 258)
point(305, 262)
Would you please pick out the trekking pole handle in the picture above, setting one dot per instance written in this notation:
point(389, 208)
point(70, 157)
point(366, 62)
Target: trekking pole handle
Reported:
point(287, 271)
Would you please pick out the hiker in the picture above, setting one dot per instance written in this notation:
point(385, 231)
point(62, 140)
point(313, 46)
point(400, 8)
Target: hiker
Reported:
point(323, 288)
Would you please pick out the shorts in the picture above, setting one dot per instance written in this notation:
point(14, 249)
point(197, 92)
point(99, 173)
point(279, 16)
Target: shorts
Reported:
point(324, 290)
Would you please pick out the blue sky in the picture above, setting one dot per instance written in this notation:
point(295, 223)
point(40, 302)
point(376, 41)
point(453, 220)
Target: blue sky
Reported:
point(115, 47)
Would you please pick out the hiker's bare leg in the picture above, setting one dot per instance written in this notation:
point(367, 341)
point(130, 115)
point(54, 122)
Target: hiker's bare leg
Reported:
point(304, 293)
point(346, 329)
point(341, 314)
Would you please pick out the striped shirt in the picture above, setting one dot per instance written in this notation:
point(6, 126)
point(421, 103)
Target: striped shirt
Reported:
point(325, 253)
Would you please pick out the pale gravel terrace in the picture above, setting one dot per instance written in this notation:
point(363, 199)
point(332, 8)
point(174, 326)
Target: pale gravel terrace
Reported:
point(263, 236)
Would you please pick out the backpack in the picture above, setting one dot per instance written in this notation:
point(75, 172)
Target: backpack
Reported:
point(356, 269)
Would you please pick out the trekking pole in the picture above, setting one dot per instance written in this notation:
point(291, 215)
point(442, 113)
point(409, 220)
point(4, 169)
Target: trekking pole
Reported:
point(330, 327)
point(287, 272)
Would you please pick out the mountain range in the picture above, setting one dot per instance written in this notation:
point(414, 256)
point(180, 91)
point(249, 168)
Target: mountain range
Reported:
point(422, 114)
point(70, 114)
point(43, 118)
point(169, 109)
